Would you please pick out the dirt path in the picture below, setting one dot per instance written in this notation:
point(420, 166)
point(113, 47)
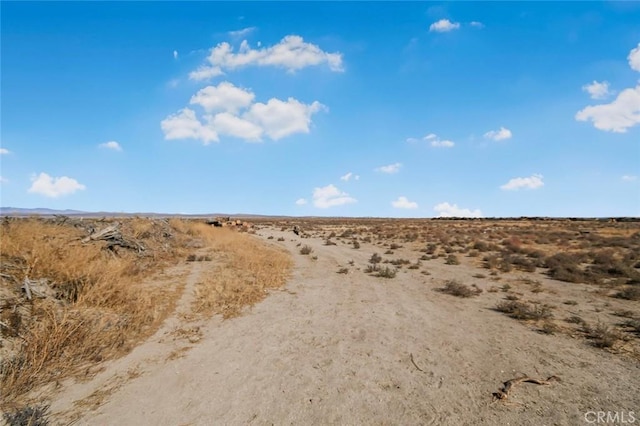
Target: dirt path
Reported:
point(337, 349)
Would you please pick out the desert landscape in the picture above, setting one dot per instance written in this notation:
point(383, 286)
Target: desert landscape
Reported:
point(319, 321)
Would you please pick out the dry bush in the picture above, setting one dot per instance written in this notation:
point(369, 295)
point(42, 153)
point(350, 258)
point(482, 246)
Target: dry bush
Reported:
point(248, 270)
point(629, 293)
point(100, 303)
point(305, 250)
point(387, 272)
point(601, 335)
point(524, 311)
point(452, 259)
point(28, 416)
point(456, 288)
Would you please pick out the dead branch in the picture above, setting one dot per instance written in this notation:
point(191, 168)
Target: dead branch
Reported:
point(507, 386)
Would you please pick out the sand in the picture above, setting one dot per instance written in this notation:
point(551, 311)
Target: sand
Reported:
point(351, 348)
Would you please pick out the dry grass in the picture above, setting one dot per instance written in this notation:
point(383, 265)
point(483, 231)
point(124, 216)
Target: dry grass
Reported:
point(248, 270)
point(101, 303)
point(456, 288)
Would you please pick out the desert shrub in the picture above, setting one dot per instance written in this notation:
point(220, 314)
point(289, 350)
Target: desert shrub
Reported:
point(629, 293)
point(387, 272)
point(375, 258)
point(566, 267)
point(28, 416)
point(456, 288)
point(480, 246)
point(371, 268)
point(452, 259)
point(280, 238)
point(306, 250)
point(395, 246)
point(633, 325)
point(356, 244)
point(601, 335)
point(343, 270)
point(524, 311)
point(549, 327)
point(491, 262)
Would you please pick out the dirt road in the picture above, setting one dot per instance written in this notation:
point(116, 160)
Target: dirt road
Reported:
point(355, 349)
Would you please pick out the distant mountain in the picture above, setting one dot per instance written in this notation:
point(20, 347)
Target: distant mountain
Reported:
point(16, 211)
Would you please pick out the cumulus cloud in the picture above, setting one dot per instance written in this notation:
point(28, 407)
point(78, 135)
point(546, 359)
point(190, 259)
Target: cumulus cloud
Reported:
point(205, 72)
point(330, 196)
point(452, 210)
point(623, 112)
point(283, 118)
point(404, 203)
point(443, 26)
point(442, 144)
point(175, 54)
point(185, 125)
point(54, 187)
point(113, 145)
point(617, 116)
point(390, 169)
point(239, 116)
point(291, 53)
point(634, 58)
point(498, 135)
point(597, 90)
point(477, 24)
point(225, 123)
point(629, 178)
point(223, 97)
point(531, 182)
point(301, 201)
point(349, 176)
point(4, 151)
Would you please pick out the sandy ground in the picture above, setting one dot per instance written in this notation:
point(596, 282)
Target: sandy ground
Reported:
point(335, 348)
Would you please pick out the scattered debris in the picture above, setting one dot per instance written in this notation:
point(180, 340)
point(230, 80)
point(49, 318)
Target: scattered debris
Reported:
point(503, 393)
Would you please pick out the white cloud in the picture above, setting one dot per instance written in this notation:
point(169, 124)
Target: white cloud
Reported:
point(477, 24)
point(4, 151)
point(442, 144)
point(330, 196)
point(623, 112)
point(279, 118)
point(276, 118)
point(498, 135)
point(629, 178)
point(452, 210)
point(443, 26)
point(617, 116)
point(349, 176)
point(113, 145)
point(53, 187)
point(301, 201)
point(3, 180)
point(390, 169)
point(291, 53)
point(597, 90)
point(205, 72)
point(175, 54)
point(404, 203)
point(223, 97)
point(634, 58)
point(226, 123)
point(531, 182)
point(242, 33)
point(185, 125)
point(433, 140)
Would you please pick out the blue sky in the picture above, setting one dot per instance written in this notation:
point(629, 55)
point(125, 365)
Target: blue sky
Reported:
point(330, 109)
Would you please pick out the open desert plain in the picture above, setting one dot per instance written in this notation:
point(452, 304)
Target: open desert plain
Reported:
point(320, 321)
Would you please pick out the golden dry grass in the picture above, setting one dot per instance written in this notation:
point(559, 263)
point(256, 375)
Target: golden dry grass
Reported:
point(101, 305)
point(247, 269)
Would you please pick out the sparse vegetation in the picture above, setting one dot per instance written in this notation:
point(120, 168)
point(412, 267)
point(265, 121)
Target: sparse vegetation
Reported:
point(524, 311)
point(387, 272)
point(456, 288)
point(305, 250)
